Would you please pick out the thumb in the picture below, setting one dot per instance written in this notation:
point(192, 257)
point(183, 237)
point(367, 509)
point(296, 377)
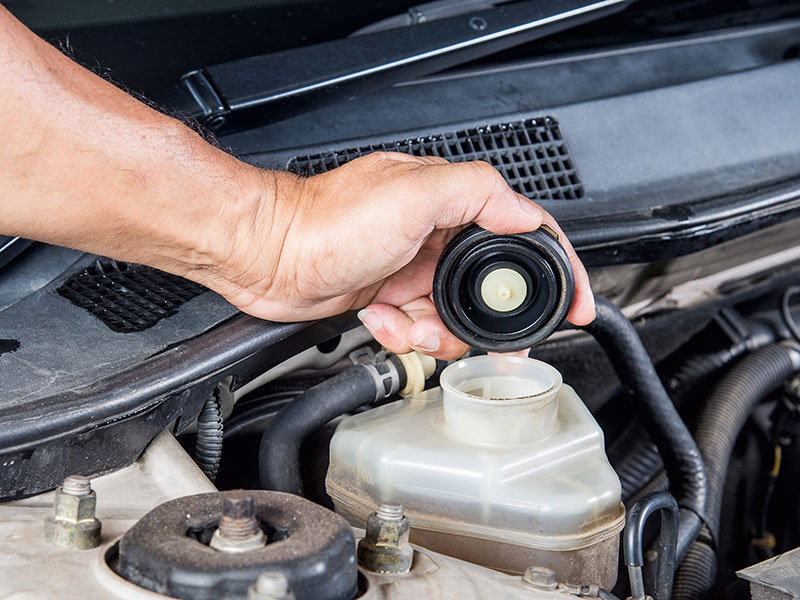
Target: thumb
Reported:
point(476, 192)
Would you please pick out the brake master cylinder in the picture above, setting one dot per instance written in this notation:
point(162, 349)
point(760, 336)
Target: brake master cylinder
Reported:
point(502, 466)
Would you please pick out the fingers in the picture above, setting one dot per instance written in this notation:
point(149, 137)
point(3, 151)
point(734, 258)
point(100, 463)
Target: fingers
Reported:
point(461, 193)
point(416, 278)
point(414, 326)
point(476, 192)
point(402, 157)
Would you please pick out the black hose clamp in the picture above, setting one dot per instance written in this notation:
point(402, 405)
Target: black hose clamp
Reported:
point(386, 375)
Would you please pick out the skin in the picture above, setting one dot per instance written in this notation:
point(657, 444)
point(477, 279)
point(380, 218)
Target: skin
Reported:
point(87, 166)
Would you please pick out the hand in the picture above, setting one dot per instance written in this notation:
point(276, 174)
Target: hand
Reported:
point(89, 167)
point(369, 234)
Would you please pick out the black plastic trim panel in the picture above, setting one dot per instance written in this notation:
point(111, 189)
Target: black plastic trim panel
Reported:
point(531, 154)
point(168, 387)
point(128, 297)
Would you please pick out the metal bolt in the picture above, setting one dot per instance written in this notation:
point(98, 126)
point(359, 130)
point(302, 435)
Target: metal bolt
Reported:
point(637, 583)
point(239, 529)
point(541, 578)
point(270, 585)
point(385, 547)
point(76, 485)
point(478, 23)
point(215, 122)
point(390, 512)
point(73, 523)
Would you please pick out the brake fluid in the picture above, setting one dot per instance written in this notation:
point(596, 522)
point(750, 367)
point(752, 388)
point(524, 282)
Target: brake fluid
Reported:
point(502, 466)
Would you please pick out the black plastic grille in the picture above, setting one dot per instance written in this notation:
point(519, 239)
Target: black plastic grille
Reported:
point(532, 155)
point(128, 297)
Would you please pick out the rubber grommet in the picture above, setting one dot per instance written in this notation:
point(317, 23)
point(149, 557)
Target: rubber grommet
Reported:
point(536, 256)
point(167, 550)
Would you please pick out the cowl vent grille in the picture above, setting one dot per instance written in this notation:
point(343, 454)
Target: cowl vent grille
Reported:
point(128, 297)
point(532, 155)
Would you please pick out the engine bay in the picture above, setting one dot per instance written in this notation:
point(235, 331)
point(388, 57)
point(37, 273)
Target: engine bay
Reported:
point(158, 443)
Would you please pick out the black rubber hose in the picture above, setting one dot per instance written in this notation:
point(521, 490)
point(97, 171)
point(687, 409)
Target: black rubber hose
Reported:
point(208, 447)
point(719, 424)
point(659, 483)
point(682, 459)
point(257, 414)
point(279, 452)
point(728, 408)
point(786, 311)
point(633, 455)
point(696, 574)
point(635, 459)
point(698, 369)
point(667, 540)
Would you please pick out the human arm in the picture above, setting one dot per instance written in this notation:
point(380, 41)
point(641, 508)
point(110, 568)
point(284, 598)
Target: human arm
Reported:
point(87, 166)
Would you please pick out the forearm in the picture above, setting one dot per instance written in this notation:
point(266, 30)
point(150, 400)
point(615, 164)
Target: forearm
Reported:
point(87, 166)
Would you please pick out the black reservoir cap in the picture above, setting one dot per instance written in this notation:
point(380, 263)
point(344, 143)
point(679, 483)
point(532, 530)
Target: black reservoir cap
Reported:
point(503, 292)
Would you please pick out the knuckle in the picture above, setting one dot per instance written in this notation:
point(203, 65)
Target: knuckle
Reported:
point(485, 169)
point(378, 156)
point(370, 161)
point(384, 156)
point(488, 176)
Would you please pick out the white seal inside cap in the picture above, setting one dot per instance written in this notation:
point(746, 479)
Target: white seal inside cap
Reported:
point(504, 289)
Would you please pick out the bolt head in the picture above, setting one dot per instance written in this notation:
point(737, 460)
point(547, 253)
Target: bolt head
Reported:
point(387, 532)
point(238, 506)
point(73, 523)
point(270, 585)
point(74, 508)
point(385, 547)
point(541, 578)
point(478, 23)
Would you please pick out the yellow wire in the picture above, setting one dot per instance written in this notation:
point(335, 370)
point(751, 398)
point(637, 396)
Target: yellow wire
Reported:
point(776, 465)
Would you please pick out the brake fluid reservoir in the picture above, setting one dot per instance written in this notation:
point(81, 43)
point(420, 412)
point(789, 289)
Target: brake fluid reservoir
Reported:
point(502, 466)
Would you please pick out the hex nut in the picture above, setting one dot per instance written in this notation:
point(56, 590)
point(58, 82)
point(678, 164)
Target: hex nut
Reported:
point(239, 529)
point(541, 578)
point(223, 544)
point(385, 547)
point(270, 585)
point(73, 524)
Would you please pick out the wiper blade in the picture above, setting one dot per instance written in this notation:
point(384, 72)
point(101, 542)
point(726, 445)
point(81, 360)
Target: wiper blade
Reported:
point(245, 93)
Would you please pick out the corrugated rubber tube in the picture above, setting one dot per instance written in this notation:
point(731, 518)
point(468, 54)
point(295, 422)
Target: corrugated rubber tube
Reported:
point(719, 424)
point(208, 448)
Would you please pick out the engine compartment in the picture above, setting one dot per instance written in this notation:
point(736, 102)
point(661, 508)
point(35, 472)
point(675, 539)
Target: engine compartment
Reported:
point(380, 462)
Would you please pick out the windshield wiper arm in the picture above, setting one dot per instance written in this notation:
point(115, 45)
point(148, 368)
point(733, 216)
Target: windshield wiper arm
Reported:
point(252, 91)
point(430, 11)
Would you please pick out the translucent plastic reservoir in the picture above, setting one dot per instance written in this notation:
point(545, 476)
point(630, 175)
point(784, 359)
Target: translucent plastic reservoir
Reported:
point(503, 466)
